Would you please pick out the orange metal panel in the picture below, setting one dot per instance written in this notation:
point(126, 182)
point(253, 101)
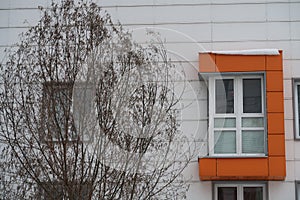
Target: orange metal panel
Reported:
point(243, 167)
point(276, 145)
point(207, 167)
point(275, 102)
point(276, 167)
point(274, 81)
point(275, 123)
point(207, 62)
point(240, 63)
point(274, 62)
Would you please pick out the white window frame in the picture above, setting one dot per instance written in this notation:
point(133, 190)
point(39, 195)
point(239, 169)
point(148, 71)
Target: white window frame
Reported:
point(239, 186)
point(296, 107)
point(237, 114)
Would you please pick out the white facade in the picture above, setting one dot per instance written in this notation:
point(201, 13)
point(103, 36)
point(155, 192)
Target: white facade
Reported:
point(189, 27)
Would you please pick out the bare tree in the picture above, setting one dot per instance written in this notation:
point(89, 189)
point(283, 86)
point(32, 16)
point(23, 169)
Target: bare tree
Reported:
point(88, 114)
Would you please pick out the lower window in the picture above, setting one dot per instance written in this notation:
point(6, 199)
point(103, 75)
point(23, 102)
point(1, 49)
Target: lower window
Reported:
point(60, 191)
point(247, 191)
point(297, 190)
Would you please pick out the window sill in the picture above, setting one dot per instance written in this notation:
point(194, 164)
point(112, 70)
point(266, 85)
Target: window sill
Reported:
point(238, 156)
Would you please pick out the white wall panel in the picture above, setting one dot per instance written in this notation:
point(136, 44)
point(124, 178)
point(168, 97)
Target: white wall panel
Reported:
point(28, 3)
point(240, 12)
point(124, 3)
point(289, 150)
point(295, 11)
point(162, 2)
point(161, 14)
point(218, 46)
point(287, 69)
point(193, 110)
point(297, 152)
point(188, 32)
point(287, 88)
point(133, 15)
point(149, 2)
point(184, 51)
point(295, 30)
point(174, 33)
point(191, 90)
point(288, 109)
point(200, 190)
point(290, 171)
point(9, 36)
point(4, 4)
point(295, 49)
point(279, 1)
point(279, 190)
point(182, 14)
point(191, 172)
point(23, 18)
point(239, 32)
point(187, 69)
point(278, 31)
point(3, 54)
point(297, 171)
point(236, 1)
point(295, 64)
point(194, 130)
point(289, 129)
point(278, 12)
point(4, 16)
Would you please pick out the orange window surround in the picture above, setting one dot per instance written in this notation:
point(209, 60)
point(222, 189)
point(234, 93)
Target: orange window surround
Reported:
point(271, 167)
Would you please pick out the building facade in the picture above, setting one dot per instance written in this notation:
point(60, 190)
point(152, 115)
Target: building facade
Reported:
point(240, 108)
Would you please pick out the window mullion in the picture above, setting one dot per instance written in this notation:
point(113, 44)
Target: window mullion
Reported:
point(212, 94)
point(239, 110)
point(240, 192)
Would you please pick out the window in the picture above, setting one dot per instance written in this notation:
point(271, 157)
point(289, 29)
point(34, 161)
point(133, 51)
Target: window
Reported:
point(236, 114)
point(240, 191)
point(59, 191)
point(297, 107)
point(66, 112)
point(297, 184)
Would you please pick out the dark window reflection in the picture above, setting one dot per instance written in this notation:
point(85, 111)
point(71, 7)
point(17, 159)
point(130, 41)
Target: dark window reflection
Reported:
point(253, 193)
point(227, 193)
point(252, 96)
point(224, 96)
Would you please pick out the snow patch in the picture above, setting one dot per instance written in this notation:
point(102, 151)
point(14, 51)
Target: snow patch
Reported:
point(247, 52)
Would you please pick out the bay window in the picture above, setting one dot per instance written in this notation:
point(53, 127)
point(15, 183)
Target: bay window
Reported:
point(236, 115)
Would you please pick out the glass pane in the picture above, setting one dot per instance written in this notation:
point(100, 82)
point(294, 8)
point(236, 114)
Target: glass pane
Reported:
point(252, 96)
point(225, 142)
point(252, 122)
point(227, 193)
point(224, 96)
point(298, 92)
point(253, 193)
point(82, 104)
point(298, 190)
point(253, 141)
point(224, 123)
